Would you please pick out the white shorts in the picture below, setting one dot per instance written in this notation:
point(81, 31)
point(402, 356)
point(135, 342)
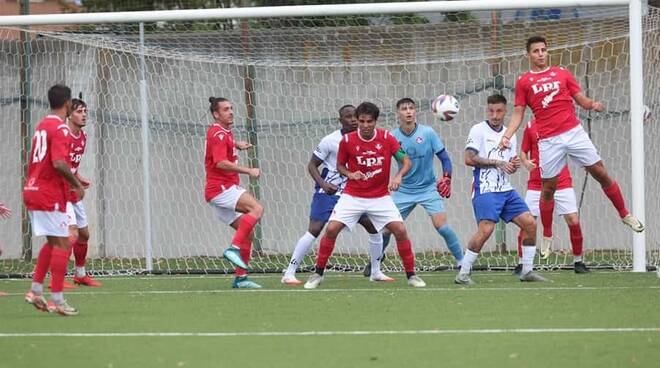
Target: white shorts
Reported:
point(224, 204)
point(53, 223)
point(77, 215)
point(381, 211)
point(565, 202)
point(575, 143)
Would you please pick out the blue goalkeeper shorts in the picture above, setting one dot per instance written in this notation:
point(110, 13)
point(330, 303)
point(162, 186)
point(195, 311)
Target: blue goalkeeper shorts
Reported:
point(429, 199)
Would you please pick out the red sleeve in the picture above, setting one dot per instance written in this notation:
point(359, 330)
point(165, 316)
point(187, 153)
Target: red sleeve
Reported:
point(521, 95)
point(394, 144)
point(219, 148)
point(60, 145)
point(525, 145)
point(572, 84)
point(342, 153)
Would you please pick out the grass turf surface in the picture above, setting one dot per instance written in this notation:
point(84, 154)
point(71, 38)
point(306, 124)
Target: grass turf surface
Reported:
point(347, 322)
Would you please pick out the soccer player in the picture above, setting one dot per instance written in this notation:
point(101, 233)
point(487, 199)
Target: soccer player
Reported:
point(550, 91)
point(232, 204)
point(45, 193)
point(493, 197)
point(564, 197)
point(78, 227)
point(329, 185)
point(419, 185)
point(364, 158)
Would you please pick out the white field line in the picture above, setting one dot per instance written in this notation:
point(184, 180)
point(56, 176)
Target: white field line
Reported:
point(384, 290)
point(509, 331)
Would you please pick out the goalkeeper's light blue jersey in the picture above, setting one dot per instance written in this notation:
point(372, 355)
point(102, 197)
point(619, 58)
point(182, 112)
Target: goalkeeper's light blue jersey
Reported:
point(420, 146)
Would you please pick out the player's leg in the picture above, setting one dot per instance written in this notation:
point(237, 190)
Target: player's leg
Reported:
point(484, 230)
point(375, 251)
point(546, 212)
point(320, 211)
point(575, 235)
point(583, 151)
point(404, 248)
point(516, 210)
point(241, 280)
point(532, 198)
point(58, 265)
point(327, 245)
point(79, 246)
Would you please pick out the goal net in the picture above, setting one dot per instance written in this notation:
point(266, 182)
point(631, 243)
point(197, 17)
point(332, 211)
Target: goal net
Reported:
point(287, 77)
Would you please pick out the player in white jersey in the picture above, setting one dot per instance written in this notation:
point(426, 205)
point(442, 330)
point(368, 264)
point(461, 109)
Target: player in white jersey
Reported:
point(329, 186)
point(493, 197)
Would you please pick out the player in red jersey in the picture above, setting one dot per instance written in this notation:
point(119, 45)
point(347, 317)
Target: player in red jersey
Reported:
point(564, 199)
point(550, 92)
point(364, 158)
point(45, 193)
point(78, 227)
point(232, 204)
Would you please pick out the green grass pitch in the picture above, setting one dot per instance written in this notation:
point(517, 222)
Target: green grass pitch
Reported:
point(604, 319)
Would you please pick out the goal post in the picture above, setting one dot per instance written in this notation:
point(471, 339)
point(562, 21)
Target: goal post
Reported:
point(147, 76)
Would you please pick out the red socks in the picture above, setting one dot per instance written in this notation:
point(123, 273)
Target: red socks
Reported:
point(245, 226)
point(613, 192)
point(547, 209)
point(405, 252)
point(325, 250)
point(576, 238)
point(80, 253)
point(43, 262)
point(58, 263)
point(246, 252)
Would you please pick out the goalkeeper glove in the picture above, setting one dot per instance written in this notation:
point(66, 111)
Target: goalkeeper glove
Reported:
point(444, 186)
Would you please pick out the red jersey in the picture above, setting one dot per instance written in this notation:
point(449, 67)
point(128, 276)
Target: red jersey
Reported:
point(550, 96)
point(46, 189)
point(78, 144)
point(219, 147)
point(530, 145)
point(372, 157)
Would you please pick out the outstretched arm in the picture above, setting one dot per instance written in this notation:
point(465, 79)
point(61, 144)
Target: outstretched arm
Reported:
point(230, 166)
point(587, 103)
point(514, 124)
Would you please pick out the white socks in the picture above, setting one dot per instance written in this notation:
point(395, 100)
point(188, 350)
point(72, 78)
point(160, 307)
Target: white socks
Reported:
point(468, 260)
point(37, 288)
point(302, 248)
point(375, 251)
point(528, 253)
point(81, 272)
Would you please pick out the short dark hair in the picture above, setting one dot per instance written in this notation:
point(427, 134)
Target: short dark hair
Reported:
point(215, 101)
point(341, 109)
point(367, 108)
point(496, 98)
point(535, 39)
point(58, 95)
point(404, 100)
point(77, 102)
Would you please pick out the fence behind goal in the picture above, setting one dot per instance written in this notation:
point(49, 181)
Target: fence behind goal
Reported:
point(287, 77)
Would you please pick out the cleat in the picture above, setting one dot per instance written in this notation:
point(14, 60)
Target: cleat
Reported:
point(546, 248)
point(291, 280)
point(518, 270)
point(580, 267)
point(313, 281)
point(233, 255)
point(416, 281)
point(244, 283)
point(38, 301)
point(381, 277)
point(463, 279)
point(65, 285)
point(633, 223)
point(367, 270)
point(532, 276)
point(63, 309)
point(86, 280)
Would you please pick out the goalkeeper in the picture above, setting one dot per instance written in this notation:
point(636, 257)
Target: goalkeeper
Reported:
point(420, 185)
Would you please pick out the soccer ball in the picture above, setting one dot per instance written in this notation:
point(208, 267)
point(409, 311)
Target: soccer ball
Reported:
point(445, 107)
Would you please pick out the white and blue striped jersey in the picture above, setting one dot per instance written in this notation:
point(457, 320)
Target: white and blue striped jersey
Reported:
point(326, 151)
point(484, 140)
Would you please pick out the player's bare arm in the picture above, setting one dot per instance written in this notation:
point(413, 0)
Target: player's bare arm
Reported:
point(63, 169)
point(529, 164)
point(406, 165)
point(473, 159)
point(313, 169)
point(227, 165)
point(242, 145)
point(86, 183)
point(587, 103)
point(512, 128)
point(351, 175)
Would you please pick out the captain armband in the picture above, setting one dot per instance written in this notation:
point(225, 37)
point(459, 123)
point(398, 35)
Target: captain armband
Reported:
point(400, 154)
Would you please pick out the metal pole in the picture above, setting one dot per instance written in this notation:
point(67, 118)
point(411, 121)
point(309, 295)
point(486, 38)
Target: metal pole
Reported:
point(145, 155)
point(25, 50)
point(637, 131)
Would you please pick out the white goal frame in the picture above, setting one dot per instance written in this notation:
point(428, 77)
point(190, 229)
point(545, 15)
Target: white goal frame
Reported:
point(636, 66)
